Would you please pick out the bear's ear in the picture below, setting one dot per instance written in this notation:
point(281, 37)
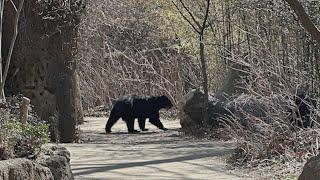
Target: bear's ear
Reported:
point(164, 97)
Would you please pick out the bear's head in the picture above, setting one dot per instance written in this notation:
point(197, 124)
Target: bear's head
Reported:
point(164, 102)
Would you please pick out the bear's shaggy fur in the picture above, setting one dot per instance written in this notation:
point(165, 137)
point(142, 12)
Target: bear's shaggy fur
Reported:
point(131, 107)
point(305, 108)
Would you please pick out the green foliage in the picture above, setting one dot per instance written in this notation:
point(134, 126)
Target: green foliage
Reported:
point(24, 139)
point(17, 139)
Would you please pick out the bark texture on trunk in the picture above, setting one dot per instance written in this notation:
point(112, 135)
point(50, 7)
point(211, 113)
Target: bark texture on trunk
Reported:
point(43, 67)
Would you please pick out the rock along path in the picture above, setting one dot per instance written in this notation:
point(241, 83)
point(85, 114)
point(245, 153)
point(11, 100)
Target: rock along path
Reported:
point(149, 155)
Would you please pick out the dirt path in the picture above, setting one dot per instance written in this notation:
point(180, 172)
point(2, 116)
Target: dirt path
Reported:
point(151, 155)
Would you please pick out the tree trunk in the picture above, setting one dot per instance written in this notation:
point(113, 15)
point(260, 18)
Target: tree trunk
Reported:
point(65, 95)
point(78, 101)
point(204, 81)
point(42, 66)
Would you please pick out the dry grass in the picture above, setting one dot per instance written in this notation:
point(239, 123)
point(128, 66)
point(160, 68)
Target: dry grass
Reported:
point(266, 137)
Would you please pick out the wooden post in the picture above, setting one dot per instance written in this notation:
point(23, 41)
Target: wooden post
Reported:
point(24, 110)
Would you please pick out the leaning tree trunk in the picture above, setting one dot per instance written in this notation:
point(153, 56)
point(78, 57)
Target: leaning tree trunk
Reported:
point(42, 65)
point(304, 19)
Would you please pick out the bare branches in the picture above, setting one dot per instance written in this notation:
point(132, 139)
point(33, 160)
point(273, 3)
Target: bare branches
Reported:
point(124, 56)
point(200, 32)
point(14, 6)
point(203, 27)
point(186, 19)
point(193, 22)
point(190, 13)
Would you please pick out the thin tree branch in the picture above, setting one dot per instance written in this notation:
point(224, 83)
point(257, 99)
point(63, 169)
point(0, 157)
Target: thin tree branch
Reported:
point(206, 17)
point(15, 34)
point(190, 14)
point(185, 18)
point(2, 96)
point(14, 6)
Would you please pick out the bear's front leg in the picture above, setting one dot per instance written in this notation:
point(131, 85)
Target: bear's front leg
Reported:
point(158, 123)
point(130, 125)
point(142, 124)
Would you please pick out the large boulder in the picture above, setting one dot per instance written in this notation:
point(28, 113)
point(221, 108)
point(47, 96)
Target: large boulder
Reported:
point(57, 159)
point(240, 108)
point(23, 169)
point(311, 170)
point(191, 106)
point(190, 109)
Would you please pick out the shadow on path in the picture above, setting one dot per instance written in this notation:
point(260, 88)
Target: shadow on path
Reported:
point(95, 169)
point(155, 154)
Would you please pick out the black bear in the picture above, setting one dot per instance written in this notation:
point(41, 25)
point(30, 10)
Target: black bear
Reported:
point(305, 107)
point(131, 107)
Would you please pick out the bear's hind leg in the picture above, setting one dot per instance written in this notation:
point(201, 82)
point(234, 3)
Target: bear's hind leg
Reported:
point(142, 124)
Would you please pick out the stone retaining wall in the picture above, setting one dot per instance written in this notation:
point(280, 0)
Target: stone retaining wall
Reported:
point(53, 164)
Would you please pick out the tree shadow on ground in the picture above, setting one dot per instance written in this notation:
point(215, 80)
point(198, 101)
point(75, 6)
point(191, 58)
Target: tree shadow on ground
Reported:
point(153, 154)
point(99, 168)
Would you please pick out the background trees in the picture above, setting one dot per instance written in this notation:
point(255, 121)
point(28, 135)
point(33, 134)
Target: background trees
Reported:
point(262, 39)
point(252, 47)
point(199, 28)
point(124, 48)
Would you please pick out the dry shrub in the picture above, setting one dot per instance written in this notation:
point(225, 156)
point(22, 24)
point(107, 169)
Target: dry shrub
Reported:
point(279, 57)
point(122, 50)
point(263, 141)
point(261, 122)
